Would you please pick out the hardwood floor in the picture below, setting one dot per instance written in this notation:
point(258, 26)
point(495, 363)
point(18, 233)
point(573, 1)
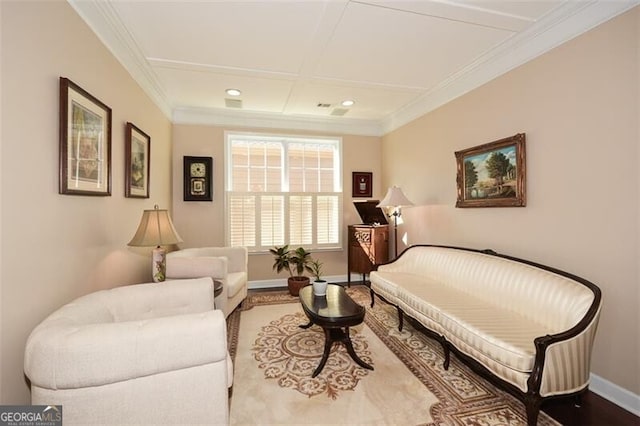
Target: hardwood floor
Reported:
point(594, 411)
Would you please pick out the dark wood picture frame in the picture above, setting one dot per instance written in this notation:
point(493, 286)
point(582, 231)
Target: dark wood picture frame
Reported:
point(198, 172)
point(85, 142)
point(137, 162)
point(362, 184)
point(493, 174)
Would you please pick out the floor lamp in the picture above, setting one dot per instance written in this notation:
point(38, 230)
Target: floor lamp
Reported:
point(395, 199)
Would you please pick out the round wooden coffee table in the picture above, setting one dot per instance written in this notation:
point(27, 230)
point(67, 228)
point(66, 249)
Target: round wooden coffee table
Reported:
point(335, 313)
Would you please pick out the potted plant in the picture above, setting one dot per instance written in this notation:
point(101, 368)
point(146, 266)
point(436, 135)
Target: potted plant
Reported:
point(288, 260)
point(319, 285)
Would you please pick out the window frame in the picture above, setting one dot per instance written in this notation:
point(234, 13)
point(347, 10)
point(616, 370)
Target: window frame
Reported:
point(230, 136)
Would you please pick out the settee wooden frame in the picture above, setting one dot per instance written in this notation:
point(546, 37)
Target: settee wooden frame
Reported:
point(531, 399)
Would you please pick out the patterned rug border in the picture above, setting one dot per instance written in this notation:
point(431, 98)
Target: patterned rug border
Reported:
point(451, 409)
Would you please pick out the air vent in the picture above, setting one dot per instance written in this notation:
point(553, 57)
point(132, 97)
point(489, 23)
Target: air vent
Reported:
point(339, 111)
point(233, 103)
point(321, 105)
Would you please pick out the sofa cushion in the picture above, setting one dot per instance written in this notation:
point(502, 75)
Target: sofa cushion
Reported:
point(386, 283)
point(502, 335)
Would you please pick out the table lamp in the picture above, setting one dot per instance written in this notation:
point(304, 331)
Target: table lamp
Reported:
point(395, 198)
point(156, 229)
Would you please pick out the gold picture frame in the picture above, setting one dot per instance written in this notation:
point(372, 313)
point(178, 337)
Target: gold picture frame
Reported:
point(493, 174)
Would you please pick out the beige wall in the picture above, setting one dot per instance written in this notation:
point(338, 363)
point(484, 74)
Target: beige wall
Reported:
point(578, 106)
point(57, 247)
point(1, 208)
point(202, 223)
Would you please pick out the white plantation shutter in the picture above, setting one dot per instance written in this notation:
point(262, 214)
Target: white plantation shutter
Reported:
point(327, 210)
point(283, 190)
point(241, 222)
point(272, 220)
point(301, 220)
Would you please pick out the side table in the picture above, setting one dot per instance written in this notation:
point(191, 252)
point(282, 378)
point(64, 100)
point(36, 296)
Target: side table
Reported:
point(217, 288)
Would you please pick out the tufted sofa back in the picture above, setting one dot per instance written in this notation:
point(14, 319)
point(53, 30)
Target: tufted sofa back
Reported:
point(135, 302)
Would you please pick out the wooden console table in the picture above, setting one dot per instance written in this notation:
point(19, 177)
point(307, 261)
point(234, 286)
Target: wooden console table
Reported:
point(368, 247)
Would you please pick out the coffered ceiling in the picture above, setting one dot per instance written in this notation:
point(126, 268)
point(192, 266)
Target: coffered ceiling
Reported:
point(296, 61)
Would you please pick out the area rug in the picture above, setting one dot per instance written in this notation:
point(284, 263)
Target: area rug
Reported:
point(274, 359)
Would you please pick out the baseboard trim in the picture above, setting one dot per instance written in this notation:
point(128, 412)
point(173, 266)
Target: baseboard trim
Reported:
point(616, 394)
point(282, 282)
point(606, 389)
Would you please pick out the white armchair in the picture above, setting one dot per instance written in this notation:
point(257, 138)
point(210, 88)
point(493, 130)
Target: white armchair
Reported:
point(140, 354)
point(225, 264)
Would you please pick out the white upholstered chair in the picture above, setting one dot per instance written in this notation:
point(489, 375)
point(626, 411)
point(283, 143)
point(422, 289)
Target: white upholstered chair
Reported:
point(141, 354)
point(225, 264)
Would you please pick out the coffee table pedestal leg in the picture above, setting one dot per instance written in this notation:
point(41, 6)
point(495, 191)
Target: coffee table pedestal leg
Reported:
point(332, 335)
point(352, 353)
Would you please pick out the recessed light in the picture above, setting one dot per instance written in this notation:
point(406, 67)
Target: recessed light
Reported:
point(348, 103)
point(233, 92)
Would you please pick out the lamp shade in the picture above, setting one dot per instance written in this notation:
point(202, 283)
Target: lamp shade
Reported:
point(394, 198)
point(155, 229)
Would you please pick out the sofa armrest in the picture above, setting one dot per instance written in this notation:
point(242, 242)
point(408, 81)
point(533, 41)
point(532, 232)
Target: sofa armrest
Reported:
point(67, 356)
point(195, 267)
point(554, 372)
point(238, 258)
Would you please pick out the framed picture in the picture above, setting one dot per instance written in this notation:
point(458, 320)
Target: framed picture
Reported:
point(137, 153)
point(85, 142)
point(197, 178)
point(362, 184)
point(493, 174)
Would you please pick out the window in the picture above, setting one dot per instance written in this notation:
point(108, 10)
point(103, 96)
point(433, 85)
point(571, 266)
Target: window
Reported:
point(283, 190)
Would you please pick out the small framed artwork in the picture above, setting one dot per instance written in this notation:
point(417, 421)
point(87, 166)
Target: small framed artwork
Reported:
point(137, 153)
point(85, 142)
point(197, 178)
point(362, 184)
point(493, 174)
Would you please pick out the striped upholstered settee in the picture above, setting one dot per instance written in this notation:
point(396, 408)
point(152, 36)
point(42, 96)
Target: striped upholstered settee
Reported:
point(529, 327)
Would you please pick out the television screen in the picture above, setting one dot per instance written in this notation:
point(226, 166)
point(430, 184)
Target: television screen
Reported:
point(369, 213)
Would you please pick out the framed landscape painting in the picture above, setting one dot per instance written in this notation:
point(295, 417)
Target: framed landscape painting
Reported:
point(493, 174)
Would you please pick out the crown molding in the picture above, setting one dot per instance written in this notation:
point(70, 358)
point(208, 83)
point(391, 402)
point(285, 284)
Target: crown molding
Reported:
point(252, 119)
point(576, 17)
point(546, 34)
point(105, 22)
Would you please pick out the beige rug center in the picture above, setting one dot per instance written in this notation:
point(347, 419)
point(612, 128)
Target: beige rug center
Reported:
point(290, 354)
point(274, 360)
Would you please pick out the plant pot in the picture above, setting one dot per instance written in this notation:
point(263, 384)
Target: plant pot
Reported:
point(296, 283)
point(320, 288)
